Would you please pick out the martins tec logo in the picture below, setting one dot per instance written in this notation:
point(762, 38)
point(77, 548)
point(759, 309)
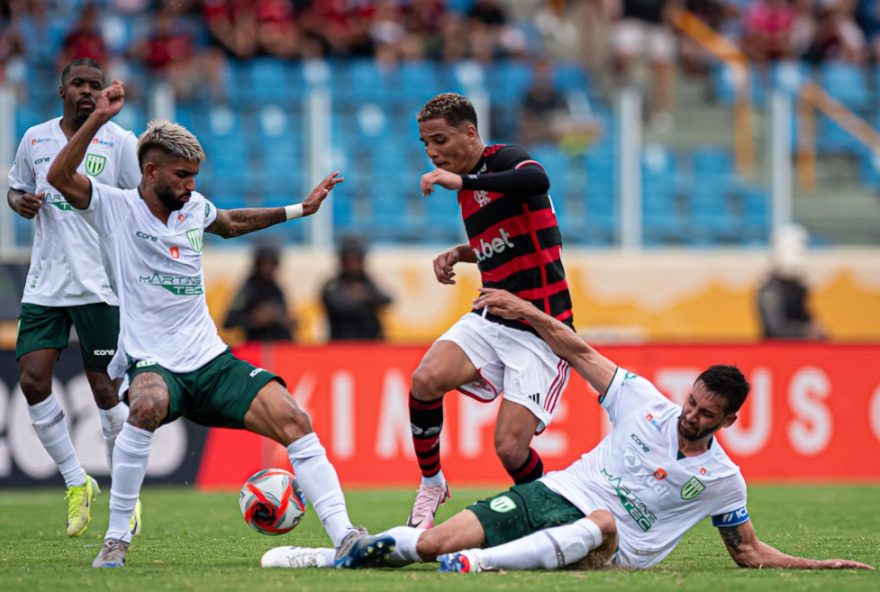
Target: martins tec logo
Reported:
point(692, 489)
point(195, 239)
point(95, 164)
point(178, 285)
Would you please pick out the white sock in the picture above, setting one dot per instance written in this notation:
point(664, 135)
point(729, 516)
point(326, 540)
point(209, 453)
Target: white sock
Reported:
point(551, 548)
point(48, 419)
point(112, 421)
point(318, 480)
point(130, 456)
point(405, 540)
point(434, 479)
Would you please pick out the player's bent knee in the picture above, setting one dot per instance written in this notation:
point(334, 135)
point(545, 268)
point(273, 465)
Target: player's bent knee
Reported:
point(430, 545)
point(34, 386)
point(427, 383)
point(295, 424)
point(147, 411)
point(511, 452)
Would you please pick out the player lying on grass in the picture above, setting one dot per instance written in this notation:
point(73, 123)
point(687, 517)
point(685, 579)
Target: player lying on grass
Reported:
point(175, 363)
point(627, 502)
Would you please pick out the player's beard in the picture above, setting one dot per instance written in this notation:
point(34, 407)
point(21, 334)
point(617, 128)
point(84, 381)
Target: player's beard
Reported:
point(693, 436)
point(168, 199)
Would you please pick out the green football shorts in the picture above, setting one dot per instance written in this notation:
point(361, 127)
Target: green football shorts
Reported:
point(216, 395)
point(522, 510)
point(48, 327)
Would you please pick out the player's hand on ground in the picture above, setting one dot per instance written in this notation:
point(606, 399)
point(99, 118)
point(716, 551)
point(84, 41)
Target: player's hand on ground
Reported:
point(440, 177)
point(313, 201)
point(444, 264)
point(501, 303)
point(110, 101)
point(28, 204)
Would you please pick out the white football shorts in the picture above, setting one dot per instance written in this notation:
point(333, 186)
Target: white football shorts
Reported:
point(513, 362)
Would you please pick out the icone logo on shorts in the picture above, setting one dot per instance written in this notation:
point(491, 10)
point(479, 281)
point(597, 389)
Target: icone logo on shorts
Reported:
point(487, 250)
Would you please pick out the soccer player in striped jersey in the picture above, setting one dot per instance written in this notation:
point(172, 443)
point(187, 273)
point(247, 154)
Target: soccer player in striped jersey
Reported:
point(514, 239)
point(626, 503)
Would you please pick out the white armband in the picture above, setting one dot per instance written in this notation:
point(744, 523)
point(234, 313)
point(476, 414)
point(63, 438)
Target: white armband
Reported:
point(294, 211)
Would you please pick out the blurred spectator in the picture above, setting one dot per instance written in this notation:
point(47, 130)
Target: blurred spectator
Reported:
point(169, 52)
point(836, 36)
point(776, 30)
point(490, 32)
point(425, 21)
point(783, 297)
point(277, 33)
point(643, 31)
point(868, 19)
point(11, 46)
point(559, 23)
point(84, 40)
point(544, 115)
point(233, 26)
point(259, 308)
point(352, 300)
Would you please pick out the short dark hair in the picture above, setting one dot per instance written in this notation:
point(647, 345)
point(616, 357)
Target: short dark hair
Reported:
point(65, 73)
point(453, 108)
point(727, 382)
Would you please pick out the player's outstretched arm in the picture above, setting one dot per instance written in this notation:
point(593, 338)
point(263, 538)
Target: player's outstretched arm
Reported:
point(76, 188)
point(231, 223)
point(747, 551)
point(565, 343)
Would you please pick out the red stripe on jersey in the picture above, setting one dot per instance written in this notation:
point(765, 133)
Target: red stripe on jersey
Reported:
point(548, 291)
point(523, 262)
point(516, 226)
point(537, 245)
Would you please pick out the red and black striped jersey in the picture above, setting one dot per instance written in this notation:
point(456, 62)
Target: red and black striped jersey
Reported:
point(513, 232)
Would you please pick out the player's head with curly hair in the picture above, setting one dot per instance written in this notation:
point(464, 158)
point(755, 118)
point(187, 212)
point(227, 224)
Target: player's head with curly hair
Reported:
point(452, 108)
point(172, 139)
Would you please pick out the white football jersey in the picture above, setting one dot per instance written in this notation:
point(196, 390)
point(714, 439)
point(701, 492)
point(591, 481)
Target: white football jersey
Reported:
point(637, 474)
point(68, 265)
point(163, 312)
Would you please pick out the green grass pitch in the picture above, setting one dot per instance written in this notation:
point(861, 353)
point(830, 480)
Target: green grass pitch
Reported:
point(198, 541)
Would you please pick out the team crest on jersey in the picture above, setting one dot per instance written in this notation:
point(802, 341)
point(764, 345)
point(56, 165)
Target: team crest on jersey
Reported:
point(482, 198)
point(195, 239)
point(692, 489)
point(95, 164)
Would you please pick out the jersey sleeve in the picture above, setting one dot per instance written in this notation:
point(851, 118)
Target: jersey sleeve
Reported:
point(108, 208)
point(21, 175)
point(129, 170)
point(732, 504)
point(210, 214)
point(512, 157)
point(627, 393)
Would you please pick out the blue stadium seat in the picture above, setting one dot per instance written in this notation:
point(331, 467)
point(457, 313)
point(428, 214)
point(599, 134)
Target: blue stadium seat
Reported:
point(568, 77)
point(508, 81)
point(848, 83)
point(833, 139)
point(724, 85)
point(364, 82)
point(710, 218)
point(756, 216)
point(442, 218)
point(869, 169)
point(25, 117)
point(417, 82)
point(712, 161)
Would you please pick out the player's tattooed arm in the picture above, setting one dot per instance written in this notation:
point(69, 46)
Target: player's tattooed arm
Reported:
point(231, 223)
point(748, 551)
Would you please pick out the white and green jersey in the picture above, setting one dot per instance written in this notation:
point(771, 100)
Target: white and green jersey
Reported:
point(67, 261)
point(637, 473)
point(163, 315)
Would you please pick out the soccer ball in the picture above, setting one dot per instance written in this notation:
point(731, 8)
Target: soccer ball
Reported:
point(271, 502)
